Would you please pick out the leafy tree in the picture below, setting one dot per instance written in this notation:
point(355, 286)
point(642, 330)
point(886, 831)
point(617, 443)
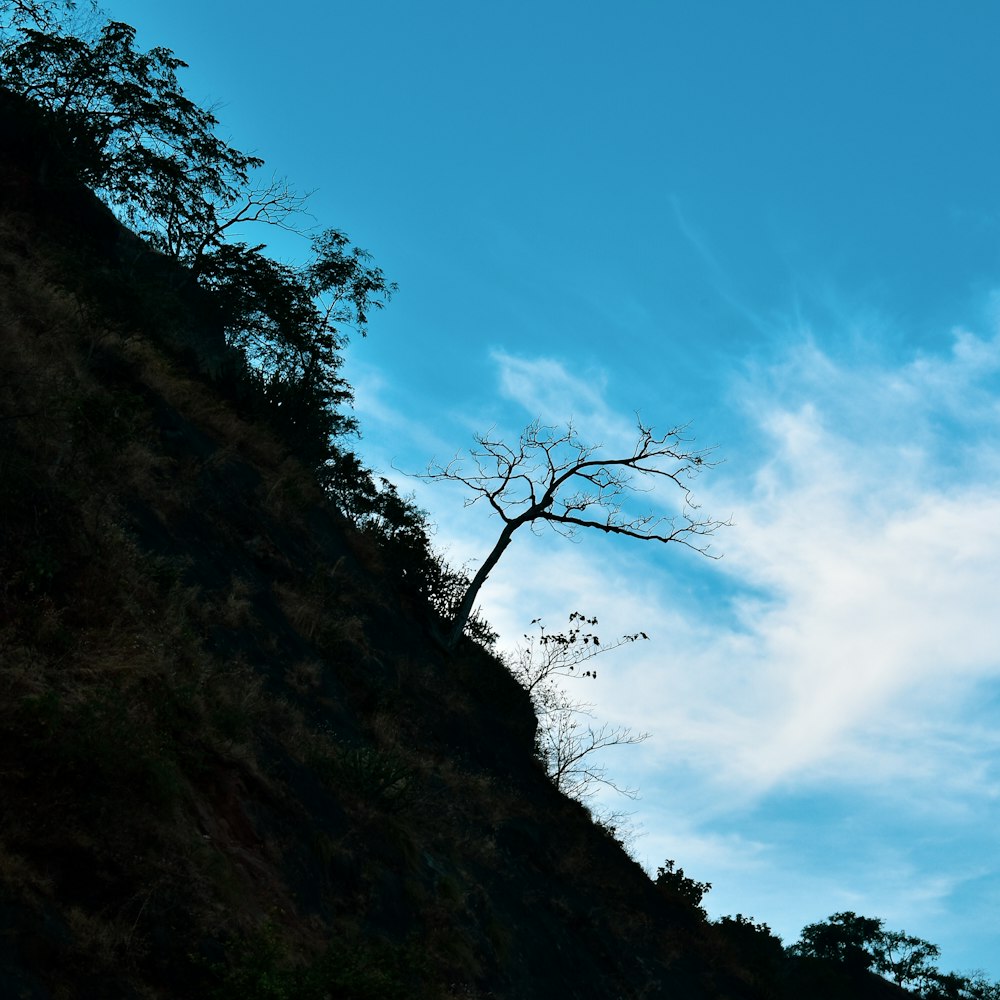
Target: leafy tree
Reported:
point(863, 943)
point(550, 477)
point(905, 959)
point(289, 323)
point(130, 131)
point(979, 987)
point(120, 117)
point(741, 925)
point(933, 984)
point(758, 948)
point(845, 937)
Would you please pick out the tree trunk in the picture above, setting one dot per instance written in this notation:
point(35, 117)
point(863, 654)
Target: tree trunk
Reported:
point(469, 600)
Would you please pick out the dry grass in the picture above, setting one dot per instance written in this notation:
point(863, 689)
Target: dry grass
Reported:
point(304, 676)
point(19, 877)
point(107, 943)
point(235, 610)
point(317, 613)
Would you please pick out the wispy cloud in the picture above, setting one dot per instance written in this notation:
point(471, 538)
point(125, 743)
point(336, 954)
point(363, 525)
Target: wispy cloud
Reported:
point(548, 389)
point(869, 544)
point(861, 576)
point(854, 614)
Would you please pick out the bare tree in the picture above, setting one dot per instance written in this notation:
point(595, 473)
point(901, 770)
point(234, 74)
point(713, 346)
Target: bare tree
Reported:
point(567, 741)
point(551, 477)
point(569, 744)
point(190, 232)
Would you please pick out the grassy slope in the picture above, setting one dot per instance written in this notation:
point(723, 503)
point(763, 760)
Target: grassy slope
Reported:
point(233, 764)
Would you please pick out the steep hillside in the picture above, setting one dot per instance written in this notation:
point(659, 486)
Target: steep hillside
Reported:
point(235, 762)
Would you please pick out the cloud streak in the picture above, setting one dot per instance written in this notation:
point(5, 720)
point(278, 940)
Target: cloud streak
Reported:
point(874, 528)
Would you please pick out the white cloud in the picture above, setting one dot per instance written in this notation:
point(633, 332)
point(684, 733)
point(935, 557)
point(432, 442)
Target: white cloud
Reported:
point(864, 560)
point(877, 552)
point(853, 616)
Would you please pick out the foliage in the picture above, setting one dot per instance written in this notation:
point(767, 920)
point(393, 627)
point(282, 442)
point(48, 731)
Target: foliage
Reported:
point(16, 14)
point(978, 987)
point(741, 925)
point(551, 477)
point(757, 947)
point(131, 133)
point(401, 531)
point(672, 881)
point(287, 322)
point(905, 959)
point(845, 938)
point(377, 776)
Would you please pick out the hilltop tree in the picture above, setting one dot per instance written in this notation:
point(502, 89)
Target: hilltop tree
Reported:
point(863, 943)
point(289, 321)
point(125, 123)
point(846, 938)
point(120, 117)
point(672, 882)
point(551, 477)
point(906, 959)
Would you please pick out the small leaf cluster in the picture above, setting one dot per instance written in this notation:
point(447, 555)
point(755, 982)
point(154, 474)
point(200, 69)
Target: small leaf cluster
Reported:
point(558, 654)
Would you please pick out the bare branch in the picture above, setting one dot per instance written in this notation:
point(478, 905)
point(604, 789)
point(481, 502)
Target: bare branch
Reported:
point(568, 744)
point(566, 741)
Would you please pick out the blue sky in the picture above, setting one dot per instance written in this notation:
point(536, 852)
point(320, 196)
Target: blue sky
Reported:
point(779, 221)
